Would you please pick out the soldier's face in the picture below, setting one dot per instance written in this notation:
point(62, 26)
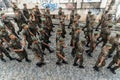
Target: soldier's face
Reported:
point(109, 47)
point(12, 37)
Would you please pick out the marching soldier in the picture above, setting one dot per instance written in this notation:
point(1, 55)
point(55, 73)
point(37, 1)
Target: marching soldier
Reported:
point(92, 44)
point(115, 42)
point(27, 35)
point(87, 20)
point(115, 61)
point(45, 40)
point(90, 29)
point(71, 18)
point(18, 48)
point(62, 25)
point(79, 53)
point(60, 53)
point(60, 12)
point(102, 57)
point(26, 12)
point(105, 35)
point(8, 24)
point(75, 40)
point(3, 50)
point(38, 52)
point(58, 34)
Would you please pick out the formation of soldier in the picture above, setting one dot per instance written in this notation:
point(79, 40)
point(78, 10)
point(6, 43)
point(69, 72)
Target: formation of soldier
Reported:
point(36, 30)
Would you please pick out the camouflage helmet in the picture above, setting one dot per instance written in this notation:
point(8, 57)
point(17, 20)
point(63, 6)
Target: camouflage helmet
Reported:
point(82, 39)
point(61, 40)
point(109, 45)
point(23, 25)
point(96, 32)
point(59, 30)
point(41, 29)
point(118, 34)
point(110, 25)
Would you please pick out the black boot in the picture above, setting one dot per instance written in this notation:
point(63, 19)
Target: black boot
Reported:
point(109, 56)
point(64, 62)
point(96, 68)
point(81, 66)
point(3, 60)
point(89, 54)
point(58, 63)
point(112, 70)
point(39, 64)
point(75, 64)
point(109, 67)
point(28, 60)
point(11, 58)
point(18, 60)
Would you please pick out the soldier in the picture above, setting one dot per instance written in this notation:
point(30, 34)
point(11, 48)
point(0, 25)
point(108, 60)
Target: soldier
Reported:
point(87, 20)
point(92, 44)
point(115, 61)
point(8, 24)
point(71, 18)
point(79, 53)
point(26, 12)
point(115, 42)
point(90, 29)
point(38, 52)
point(105, 35)
point(44, 39)
point(38, 16)
point(4, 35)
point(102, 57)
point(59, 34)
point(62, 25)
point(60, 12)
point(103, 19)
point(75, 39)
point(19, 19)
point(15, 8)
point(60, 53)
point(27, 35)
point(18, 48)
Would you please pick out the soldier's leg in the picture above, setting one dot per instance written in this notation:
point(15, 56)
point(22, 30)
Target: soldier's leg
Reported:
point(63, 61)
point(111, 51)
point(73, 52)
point(98, 26)
point(75, 61)
point(111, 63)
point(1, 57)
point(7, 54)
point(81, 62)
point(96, 65)
point(48, 48)
point(29, 44)
point(114, 68)
point(26, 56)
point(104, 43)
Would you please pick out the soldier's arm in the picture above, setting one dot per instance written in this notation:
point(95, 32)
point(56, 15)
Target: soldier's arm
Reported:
point(24, 40)
point(59, 55)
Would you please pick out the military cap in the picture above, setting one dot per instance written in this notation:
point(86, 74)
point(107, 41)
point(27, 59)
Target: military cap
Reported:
point(2, 14)
point(110, 25)
point(41, 29)
point(61, 40)
point(118, 33)
point(59, 30)
point(108, 44)
point(34, 38)
point(43, 19)
point(96, 32)
point(23, 25)
point(82, 39)
point(2, 27)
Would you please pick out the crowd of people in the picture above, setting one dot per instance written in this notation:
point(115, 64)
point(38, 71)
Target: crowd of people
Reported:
point(36, 30)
